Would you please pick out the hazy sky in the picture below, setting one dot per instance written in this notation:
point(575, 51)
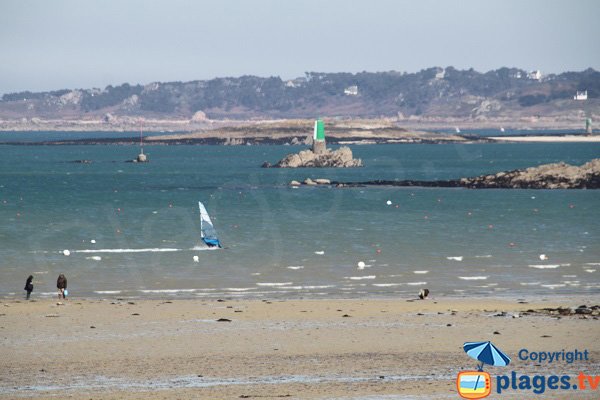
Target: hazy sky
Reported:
point(47, 45)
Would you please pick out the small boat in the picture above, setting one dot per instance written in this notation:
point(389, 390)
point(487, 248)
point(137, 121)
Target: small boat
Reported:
point(207, 230)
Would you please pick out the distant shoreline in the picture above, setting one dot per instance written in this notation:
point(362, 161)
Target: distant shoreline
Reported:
point(548, 139)
point(294, 140)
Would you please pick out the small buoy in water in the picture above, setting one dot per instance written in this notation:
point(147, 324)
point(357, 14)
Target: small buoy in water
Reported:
point(389, 202)
point(543, 257)
point(361, 265)
point(196, 259)
point(93, 241)
point(66, 252)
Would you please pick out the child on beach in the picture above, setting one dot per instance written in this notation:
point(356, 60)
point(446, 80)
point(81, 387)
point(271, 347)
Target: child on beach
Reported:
point(61, 284)
point(29, 286)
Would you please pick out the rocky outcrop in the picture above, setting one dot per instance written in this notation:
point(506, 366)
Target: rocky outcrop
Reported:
point(548, 176)
point(340, 158)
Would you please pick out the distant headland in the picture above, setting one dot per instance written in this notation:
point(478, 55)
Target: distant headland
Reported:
point(433, 98)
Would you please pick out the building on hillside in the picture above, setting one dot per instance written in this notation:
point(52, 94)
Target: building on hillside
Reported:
point(351, 90)
point(580, 95)
point(535, 75)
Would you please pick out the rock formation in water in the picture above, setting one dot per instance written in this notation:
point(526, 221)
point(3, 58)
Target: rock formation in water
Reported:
point(340, 158)
point(548, 176)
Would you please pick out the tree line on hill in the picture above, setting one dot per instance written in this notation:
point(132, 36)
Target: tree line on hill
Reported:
point(377, 93)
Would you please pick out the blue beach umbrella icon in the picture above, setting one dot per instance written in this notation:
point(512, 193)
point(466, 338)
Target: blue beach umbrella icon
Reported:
point(487, 353)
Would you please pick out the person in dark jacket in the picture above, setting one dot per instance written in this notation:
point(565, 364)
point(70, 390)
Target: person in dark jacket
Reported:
point(61, 284)
point(29, 286)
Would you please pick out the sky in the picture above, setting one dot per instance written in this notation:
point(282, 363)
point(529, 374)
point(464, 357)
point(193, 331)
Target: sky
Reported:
point(50, 45)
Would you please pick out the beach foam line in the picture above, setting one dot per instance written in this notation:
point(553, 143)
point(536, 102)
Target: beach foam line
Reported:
point(274, 283)
point(484, 256)
point(458, 258)
point(554, 286)
point(420, 272)
point(590, 270)
point(549, 266)
point(307, 287)
point(530, 283)
point(45, 294)
point(473, 278)
point(167, 290)
point(148, 250)
point(194, 381)
point(294, 267)
point(107, 291)
point(358, 278)
point(594, 263)
point(386, 284)
point(95, 258)
point(238, 289)
point(416, 283)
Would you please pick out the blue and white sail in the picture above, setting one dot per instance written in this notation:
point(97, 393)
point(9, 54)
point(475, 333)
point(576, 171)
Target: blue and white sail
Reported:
point(207, 230)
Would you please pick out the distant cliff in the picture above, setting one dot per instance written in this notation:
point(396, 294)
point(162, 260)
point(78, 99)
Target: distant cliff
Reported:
point(434, 92)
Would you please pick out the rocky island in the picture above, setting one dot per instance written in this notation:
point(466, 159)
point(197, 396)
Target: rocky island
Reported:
point(548, 176)
point(320, 156)
point(340, 158)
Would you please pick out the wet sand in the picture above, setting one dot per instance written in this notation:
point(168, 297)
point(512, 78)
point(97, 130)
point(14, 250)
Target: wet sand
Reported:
point(350, 349)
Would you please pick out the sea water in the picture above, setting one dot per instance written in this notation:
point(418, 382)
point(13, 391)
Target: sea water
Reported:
point(134, 230)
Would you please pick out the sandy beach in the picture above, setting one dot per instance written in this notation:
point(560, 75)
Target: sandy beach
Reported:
point(548, 139)
point(349, 349)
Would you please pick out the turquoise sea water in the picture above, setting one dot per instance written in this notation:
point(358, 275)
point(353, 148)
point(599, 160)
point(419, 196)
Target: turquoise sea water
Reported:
point(284, 242)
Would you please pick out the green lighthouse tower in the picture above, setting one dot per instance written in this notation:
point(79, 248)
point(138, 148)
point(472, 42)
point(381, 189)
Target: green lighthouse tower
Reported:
point(319, 137)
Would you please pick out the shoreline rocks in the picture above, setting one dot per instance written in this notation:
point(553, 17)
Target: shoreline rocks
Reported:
point(340, 158)
point(548, 176)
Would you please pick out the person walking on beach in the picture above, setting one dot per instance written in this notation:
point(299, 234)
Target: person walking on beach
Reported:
point(61, 284)
point(29, 286)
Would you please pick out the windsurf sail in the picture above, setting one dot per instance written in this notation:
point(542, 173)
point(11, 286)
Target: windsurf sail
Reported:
point(207, 230)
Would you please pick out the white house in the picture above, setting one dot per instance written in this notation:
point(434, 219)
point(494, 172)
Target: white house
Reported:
point(536, 75)
point(351, 90)
point(580, 95)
